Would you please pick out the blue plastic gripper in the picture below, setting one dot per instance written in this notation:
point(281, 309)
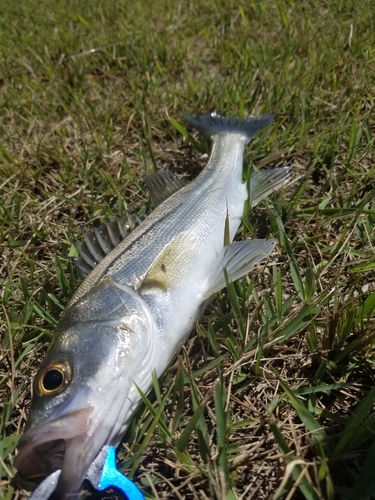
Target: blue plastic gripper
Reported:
point(112, 477)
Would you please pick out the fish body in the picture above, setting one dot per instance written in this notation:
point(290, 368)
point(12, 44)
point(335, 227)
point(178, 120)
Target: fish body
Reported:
point(136, 308)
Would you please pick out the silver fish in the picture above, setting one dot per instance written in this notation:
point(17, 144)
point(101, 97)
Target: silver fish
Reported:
point(138, 305)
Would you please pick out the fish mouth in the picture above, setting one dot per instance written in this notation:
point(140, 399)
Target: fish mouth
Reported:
point(70, 439)
point(36, 462)
point(49, 446)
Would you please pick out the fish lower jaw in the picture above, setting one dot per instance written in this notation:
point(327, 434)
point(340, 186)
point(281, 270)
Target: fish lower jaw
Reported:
point(34, 464)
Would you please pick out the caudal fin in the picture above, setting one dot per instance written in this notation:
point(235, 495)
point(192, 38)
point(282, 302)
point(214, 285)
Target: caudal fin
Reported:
point(214, 124)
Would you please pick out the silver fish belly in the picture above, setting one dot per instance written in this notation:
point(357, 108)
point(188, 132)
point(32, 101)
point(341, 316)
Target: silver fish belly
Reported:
point(136, 308)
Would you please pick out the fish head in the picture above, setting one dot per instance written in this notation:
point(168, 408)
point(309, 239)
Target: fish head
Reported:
point(85, 391)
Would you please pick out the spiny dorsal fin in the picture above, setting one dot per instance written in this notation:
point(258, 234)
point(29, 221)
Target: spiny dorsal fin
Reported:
point(101, 240)
point(162, 185)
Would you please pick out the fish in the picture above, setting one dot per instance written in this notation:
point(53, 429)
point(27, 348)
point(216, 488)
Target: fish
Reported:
point(146, 286)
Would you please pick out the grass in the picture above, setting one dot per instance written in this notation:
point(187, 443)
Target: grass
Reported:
point(272, 396)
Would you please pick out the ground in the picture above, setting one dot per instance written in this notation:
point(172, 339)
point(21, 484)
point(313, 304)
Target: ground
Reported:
point(272, 396)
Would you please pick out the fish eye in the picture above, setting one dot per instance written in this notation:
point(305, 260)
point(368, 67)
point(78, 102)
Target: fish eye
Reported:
point(53, 378)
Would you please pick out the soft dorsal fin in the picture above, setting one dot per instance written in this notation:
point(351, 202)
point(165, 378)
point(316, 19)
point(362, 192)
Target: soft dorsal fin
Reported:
point(162, 185)
point(101, 240)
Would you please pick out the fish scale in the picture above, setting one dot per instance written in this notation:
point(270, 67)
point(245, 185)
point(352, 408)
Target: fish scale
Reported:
point(224, 192)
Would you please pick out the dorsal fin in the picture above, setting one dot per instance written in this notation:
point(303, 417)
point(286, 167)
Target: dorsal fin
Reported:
point(101, 240)
point(162, 185)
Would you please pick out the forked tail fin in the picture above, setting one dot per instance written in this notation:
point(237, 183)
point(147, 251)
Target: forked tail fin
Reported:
point(214, 124)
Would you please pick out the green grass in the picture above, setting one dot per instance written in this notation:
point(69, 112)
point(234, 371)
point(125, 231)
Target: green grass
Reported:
point(272, 396)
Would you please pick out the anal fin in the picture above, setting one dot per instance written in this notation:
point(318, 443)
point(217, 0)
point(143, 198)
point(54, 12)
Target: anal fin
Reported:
point(238, 258)
point(264, 182)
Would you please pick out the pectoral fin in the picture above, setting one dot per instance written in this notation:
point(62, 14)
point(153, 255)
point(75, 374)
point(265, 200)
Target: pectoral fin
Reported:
point(239, 258)
point(173, 264)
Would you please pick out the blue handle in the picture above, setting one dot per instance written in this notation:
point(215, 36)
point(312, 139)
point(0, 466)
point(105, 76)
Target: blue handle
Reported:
point(112, 477)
